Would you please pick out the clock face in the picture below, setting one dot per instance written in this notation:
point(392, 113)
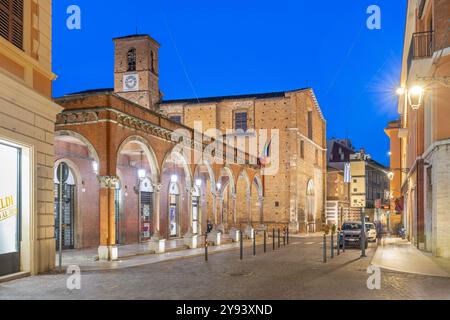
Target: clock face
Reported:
point(130, 82)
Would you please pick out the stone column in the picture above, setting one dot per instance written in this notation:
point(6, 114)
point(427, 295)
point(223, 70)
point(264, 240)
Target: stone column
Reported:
point(108, 248)
point(261, 211)
point(249, 209)
point(157, 244)
point(214, 205)
point(221, 227)
point(157, 207)
point(233, 199)
point(190, 239)
point(234, 232)
point(249, 228)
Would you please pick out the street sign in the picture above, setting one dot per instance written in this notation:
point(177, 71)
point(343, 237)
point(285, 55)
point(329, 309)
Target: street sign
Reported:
point(347, 173)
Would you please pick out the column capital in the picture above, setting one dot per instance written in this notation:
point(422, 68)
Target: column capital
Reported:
point(158, 187)
point(108, 182)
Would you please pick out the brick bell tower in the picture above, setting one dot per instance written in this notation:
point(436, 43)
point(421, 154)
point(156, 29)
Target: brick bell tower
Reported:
point(136, 70)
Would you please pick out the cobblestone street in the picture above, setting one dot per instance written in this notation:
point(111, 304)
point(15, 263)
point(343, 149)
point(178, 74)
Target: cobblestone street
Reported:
point(292, 272)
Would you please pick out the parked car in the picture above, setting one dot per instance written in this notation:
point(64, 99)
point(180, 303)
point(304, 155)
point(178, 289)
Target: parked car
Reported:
point(351, 234)
point(371, 231)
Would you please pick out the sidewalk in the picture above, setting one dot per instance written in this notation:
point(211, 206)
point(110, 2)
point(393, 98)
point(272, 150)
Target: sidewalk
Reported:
point(309, 235)
point(138, 254)
point(399, 255)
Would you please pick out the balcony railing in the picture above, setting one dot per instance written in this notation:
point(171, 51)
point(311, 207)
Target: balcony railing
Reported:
point(422, 46)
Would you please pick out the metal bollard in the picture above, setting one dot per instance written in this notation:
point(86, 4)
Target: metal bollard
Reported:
point(338, 245)
point(241, 242)
point(279, 238)
point(273, 238)
point(343, 243)
point(332, 245)
point(254, 242)
point(265, 241)
point(287, 231)
point(324, 248)
point(206, 247)
point(284, 237)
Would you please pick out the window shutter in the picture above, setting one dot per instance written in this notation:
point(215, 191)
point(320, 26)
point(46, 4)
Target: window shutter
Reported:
point(11, 21)
point(17, 23)
point(4, 19)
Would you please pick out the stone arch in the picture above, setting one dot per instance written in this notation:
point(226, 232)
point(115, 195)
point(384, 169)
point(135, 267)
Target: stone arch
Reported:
point(207, 191)
point(243, 199)
point(310, 206)
point(173, 155)
point(211, 174)
point(256, 207)
point(257, 182)
point(176, 169)
point(149, 154)
point(80, 154)
point(78, 183)
point(230, 175)
point(72, 134)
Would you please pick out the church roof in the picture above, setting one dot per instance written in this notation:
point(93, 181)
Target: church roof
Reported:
point(267, 95)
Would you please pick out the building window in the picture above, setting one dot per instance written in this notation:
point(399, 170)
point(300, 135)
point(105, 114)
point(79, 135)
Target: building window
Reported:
point(131, 60)
point(10, 209)
point(176, 119)
point(310, 125)
point(240, 121)
point(302, 149)
point(152, 61)
point(11, 21)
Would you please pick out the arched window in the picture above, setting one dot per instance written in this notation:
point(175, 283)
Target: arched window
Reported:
point(152, 61)
point(132, 60)
point(310, 207)
point(310, 188)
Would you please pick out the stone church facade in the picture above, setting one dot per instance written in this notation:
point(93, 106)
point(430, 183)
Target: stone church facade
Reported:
point(125, 179)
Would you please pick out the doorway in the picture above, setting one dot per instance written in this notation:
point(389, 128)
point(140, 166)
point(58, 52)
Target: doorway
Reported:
point(64, 206)
point(10, 209)
point(196, 211)
point(174, 203)
point(146, 210)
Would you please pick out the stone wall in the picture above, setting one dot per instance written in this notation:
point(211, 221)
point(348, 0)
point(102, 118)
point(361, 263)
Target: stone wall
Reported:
point(285, 191)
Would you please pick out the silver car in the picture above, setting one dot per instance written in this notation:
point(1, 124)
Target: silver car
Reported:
point(351, 234)
point(371, 232)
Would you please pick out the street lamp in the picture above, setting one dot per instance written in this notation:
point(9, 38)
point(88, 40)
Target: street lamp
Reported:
point(390, 175)
point(414, 95)
point(142, 173)
point(219, 185)
point(174, 178)
point(198, 183)
point(95, 166)
point(400, 91)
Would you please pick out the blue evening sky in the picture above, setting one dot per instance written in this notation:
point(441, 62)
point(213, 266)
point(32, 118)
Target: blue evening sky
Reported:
point(227, 47)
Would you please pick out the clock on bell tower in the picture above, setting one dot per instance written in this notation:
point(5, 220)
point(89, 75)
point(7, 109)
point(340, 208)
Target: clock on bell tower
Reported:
point(136, 70)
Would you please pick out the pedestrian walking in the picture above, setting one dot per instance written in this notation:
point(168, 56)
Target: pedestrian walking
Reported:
point(209, 226)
